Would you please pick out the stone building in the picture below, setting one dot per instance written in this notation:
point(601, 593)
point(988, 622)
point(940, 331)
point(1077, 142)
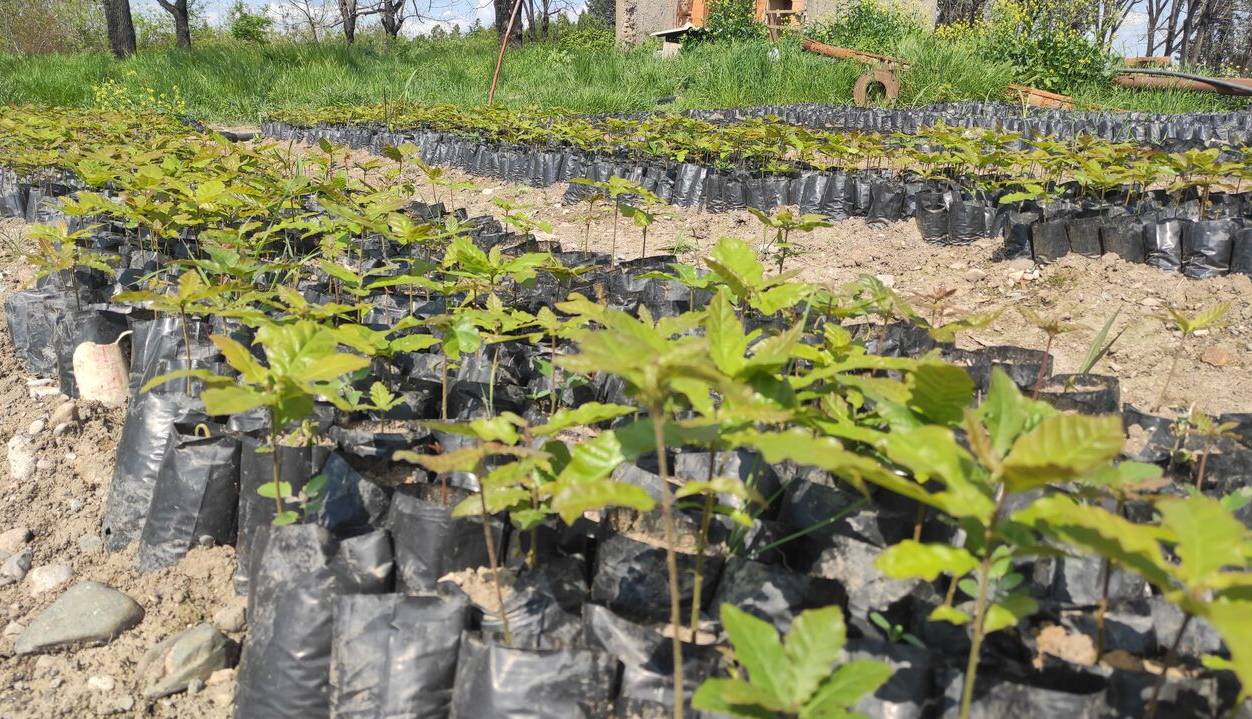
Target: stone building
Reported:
point(638, 19)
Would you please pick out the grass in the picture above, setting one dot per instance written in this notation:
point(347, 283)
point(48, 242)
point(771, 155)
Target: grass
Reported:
point(239, 83)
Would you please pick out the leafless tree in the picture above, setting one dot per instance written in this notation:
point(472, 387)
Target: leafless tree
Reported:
point(313, 16)
point(1108, 16)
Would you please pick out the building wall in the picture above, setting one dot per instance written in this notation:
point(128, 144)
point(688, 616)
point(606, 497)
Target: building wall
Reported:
point(637, 19)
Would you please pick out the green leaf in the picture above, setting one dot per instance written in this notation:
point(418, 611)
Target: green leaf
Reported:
point(573, 498)
point(314, 486)
point(1007, 612)
point(267, 490)
point(845, 688)
point(583, 415)
point(1230, 618)
point(941, 392)
point(759, 650)
point(498, 500)
point(727, 341)
point(812, 646)
point(714, 695)
point(1061, 448)
point(952, 615)
point(221, 401)
point(283, 519)
point(1209, 538)
point(735, 262)
point(240, 358)
point(910, 559)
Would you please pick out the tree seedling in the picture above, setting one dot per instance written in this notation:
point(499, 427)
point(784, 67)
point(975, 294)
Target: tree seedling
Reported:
point(1187, 325)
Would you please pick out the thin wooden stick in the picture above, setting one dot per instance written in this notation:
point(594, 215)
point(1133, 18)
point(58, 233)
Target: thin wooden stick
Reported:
point(504, 43)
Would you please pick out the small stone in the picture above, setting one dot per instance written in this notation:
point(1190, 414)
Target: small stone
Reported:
point(65, 413)
point(13, 540)
point(12, 629)
point(974, 275)
point(44, 392)
point(1218, 356)
point(48, 577)
point(36, 427)
point(101, 683)
point(195, 686)
point(90, 544)
point(75, 505)
point(44, 464)
point(221, 676)
point(1150, 302)
point(21, 458)
point(87, 613)
point(206, 540)
point(230, 619)
point(194, 654)
point(886, 280)
point(61, 428)
point(125, 704)
point(15, 567)
point(1201, 333)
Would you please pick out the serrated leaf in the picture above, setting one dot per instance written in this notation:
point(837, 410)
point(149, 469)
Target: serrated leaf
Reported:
point(910, 559)
point(941, 392)
point(759, 651)
point(1208, 538)
point(571, 499)
point(733, 697)
point(845, 688)
point(727, 341)
point(1061, 448)
point(230, 400)
point(240, 358)
point(812, 645)
point(586, 414)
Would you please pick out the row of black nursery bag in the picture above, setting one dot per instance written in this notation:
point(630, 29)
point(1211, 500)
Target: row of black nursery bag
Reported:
point(349, 611)
point(1171, 231)
point(1171, 132)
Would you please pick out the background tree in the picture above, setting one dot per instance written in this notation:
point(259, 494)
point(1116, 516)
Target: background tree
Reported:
point(182, 20)
point(121, 27)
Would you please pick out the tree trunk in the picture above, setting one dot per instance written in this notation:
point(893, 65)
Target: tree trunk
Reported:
point(504, 10)
point(392, 18)
point(121, 27)
point(348, 12)
point(182, 21)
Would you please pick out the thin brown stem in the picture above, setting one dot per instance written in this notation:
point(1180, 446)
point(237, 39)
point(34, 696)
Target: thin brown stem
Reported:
point(1170, 657)
point(702, 543)
point(671, 557)
point(980, 609)
point(491, 559)
point(1043, 367)
point(1169, 376)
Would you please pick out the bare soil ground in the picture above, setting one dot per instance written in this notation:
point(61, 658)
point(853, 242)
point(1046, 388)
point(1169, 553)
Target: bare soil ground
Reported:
point(62, 506)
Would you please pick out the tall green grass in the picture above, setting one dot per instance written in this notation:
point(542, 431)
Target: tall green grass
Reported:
point(240, 83)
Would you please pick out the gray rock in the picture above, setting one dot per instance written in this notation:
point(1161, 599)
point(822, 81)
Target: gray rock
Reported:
point(15, 568)
point(48, 577)
point(851, 563)
point(12, 629)
point(13, 540)
point(21, 458)
point(36, 427)
point(87, 613)
point(191, 655)
point(230, 619)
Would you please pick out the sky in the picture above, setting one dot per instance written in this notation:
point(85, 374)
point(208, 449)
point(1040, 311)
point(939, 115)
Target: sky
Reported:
point(437, 12)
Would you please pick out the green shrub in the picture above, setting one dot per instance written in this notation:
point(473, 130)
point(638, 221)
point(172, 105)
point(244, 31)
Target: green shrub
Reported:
point(729, 20)
point(586, 36)
point(867, 25)
point(1037, 39)
point(247, 26)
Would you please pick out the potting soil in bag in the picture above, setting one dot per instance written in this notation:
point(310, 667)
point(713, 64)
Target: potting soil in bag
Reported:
point(967, 219)
point(1049, 241)
point(545, 607)
point(1162, 243)
point(1017, 232)
point(906, 695)
point(1241, 253)
point(163, 339)
point(296, 466)
point(886, 202)
point(498, 682)
point(1210, 245)
point(1124, 238)
point(812, 189)
point(285, 665)
point(1084, 236)
point(196, 497)
point(932, 217)
point(140, 452)
point(834, 202)
point(31, 316)
point(862, 195)
point(430, 543)
point(394, 655)
point(630, 578)
point(351, 504)
point(689, 186)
